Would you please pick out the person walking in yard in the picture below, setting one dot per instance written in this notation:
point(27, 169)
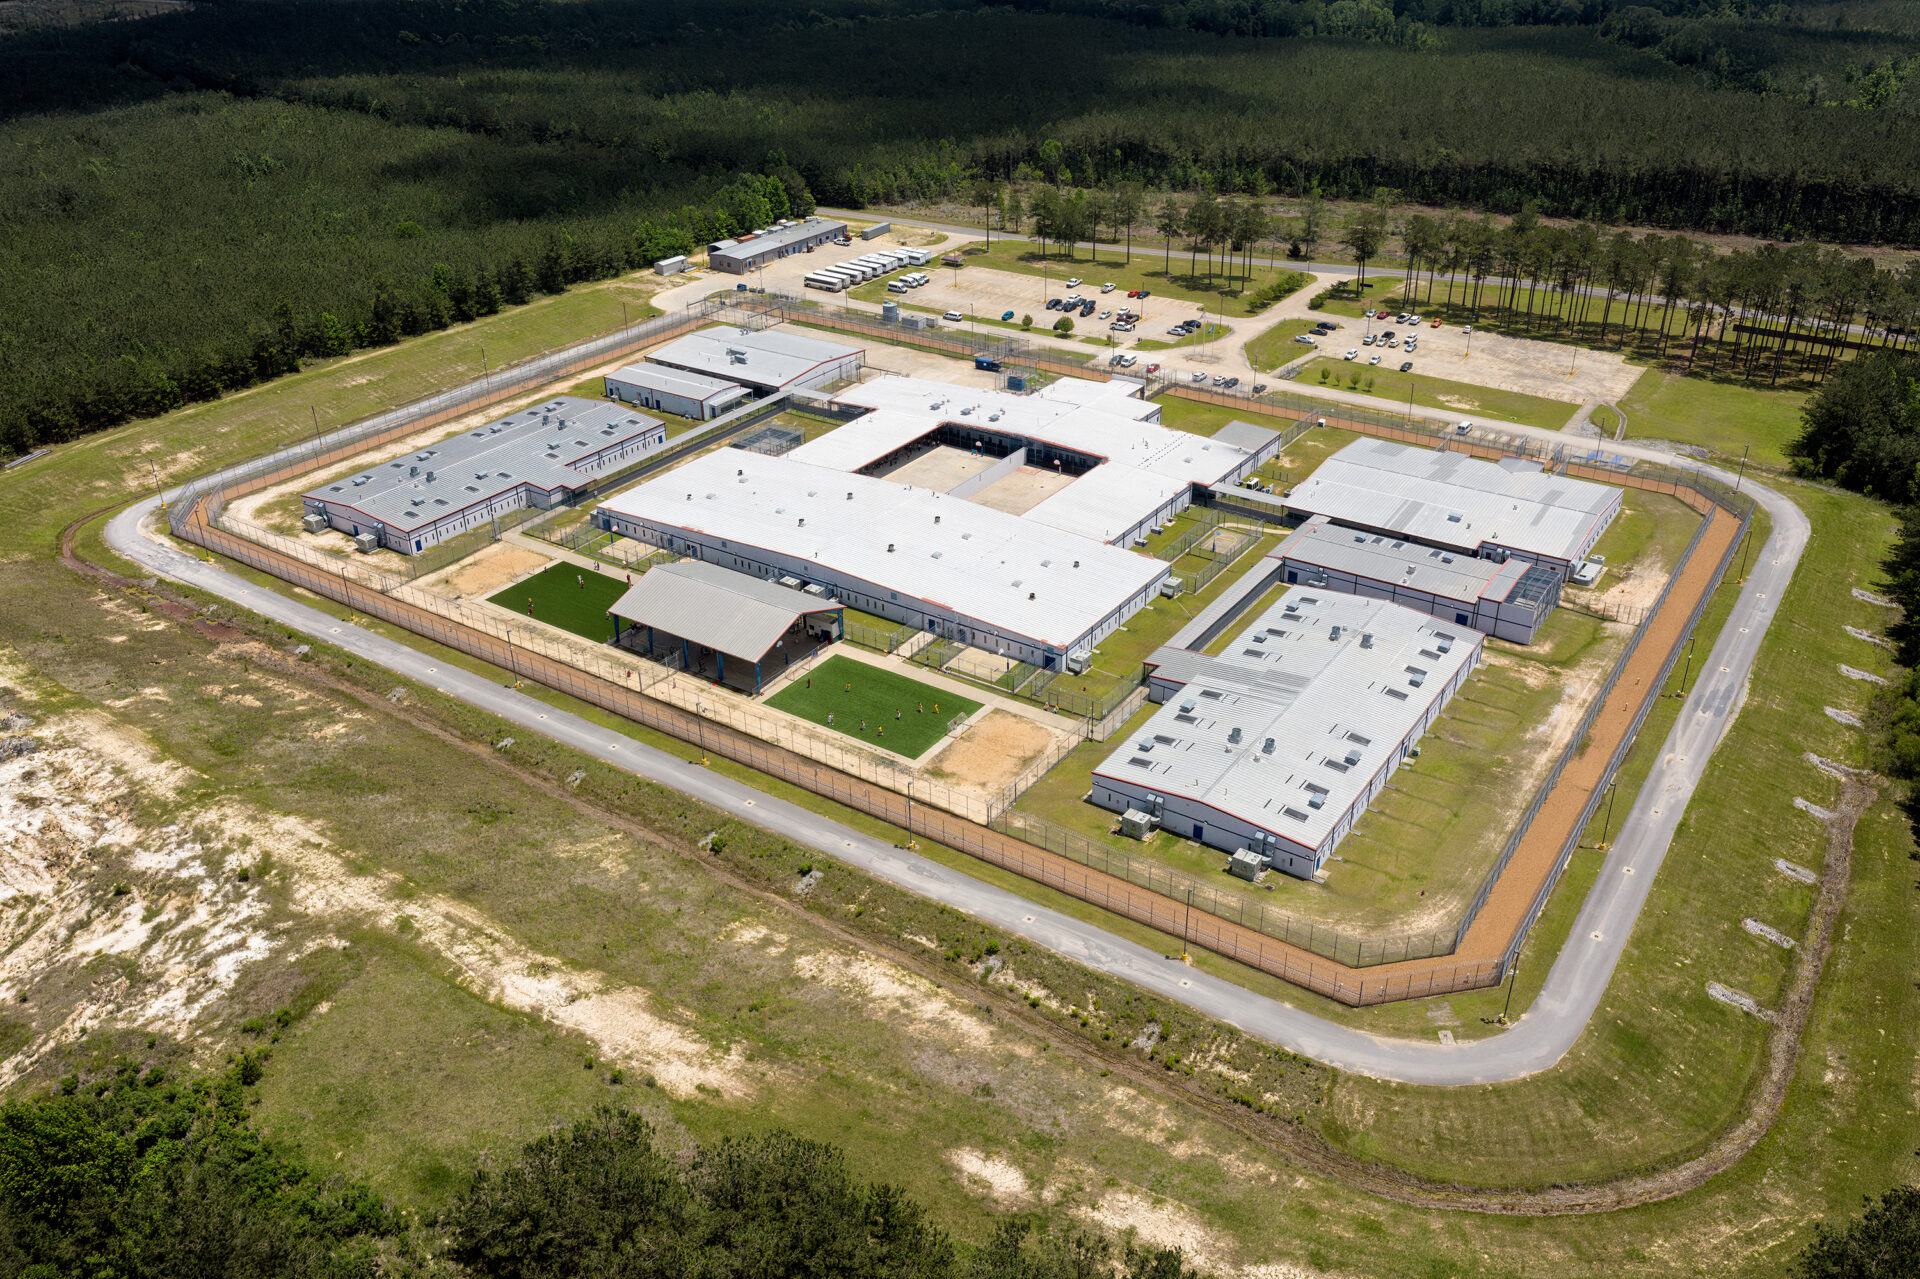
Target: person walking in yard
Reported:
point(580, 580)
point(919, 708)
point(829, 719)
point(863, 725)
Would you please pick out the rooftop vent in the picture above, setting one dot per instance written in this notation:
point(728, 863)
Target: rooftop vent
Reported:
point(1186, 707)
point(1353, 756)
point(803, 522)
point(889, 548)
point(1145, 744)
point(1233, 736)
point(1333, 632)
point(849, 496)
point(1366, 639)
point(1453, 517)
point(1266, 747)
point(936, 519)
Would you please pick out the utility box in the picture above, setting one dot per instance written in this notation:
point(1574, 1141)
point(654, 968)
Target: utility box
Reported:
point(1248, 865)
point(1080, 661)
point(1135, 824)
point(1170, 588)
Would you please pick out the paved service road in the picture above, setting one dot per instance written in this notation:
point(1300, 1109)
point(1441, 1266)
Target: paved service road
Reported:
point(1573, 988)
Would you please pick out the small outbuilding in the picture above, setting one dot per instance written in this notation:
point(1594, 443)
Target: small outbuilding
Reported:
point(694, 395)
point(703, 614)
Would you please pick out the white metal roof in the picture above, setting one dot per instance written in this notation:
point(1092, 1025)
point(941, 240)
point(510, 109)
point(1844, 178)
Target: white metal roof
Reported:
point(1319, 698)
point(779, 238)
point(693, 386)
point(1394, 561)
point(773, 357)
point(726, 611)
point(1454, 500)
point(1006, 572)
point(540, 446)
point(1145, 464)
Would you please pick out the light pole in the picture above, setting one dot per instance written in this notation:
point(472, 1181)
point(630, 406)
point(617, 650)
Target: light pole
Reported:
point(1688, 672)
point(1186, 928)
point(158, 491)
point(314, 409)
point(1738, 479)
point(1606, 824)
point(1513, 979)
point(486, 378)
point(1411, 385)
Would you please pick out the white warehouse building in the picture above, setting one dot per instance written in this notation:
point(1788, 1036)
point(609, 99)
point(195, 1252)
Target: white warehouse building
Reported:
point(751, 252)
point(538, 457)
point(762, 360)
point(1458, 503)
point(940, 563)
point(1277, 745)
point(655, 386)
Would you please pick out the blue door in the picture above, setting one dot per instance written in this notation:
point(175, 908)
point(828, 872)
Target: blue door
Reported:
point(1198, 830)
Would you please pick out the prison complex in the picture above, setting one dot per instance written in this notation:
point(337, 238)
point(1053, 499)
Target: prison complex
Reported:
point(539, 457)
point(998, 520)
point(1271, 750)
point(1453, 502)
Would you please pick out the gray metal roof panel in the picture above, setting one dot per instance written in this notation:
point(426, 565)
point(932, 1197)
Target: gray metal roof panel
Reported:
point(726, 611)
point(540, 446)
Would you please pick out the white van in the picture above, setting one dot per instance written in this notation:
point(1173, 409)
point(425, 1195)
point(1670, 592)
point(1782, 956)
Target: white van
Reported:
point(897, 286)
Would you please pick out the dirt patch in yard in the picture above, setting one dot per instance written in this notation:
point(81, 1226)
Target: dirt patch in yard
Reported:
point(489, 569)
point(993, 750)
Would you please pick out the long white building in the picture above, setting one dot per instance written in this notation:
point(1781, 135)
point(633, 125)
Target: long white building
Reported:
point(1458, 503)
point(762, 360)
point(1003, 521)
point(536, 457)
point(940, 563)
point(1277, 745)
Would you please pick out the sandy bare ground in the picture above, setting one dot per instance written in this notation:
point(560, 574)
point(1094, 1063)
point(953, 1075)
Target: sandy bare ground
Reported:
point(992, 751)
point(1024, 489)
point(487, 570)
point(190, 929)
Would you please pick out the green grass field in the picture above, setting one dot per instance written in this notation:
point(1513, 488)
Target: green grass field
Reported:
point(897, 712)
point(567, 596)
point(1167, 276)
point(1722, 416)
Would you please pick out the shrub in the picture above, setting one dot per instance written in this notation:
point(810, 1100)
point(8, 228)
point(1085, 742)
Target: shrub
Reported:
point(1063, 325)
point(1026, 321)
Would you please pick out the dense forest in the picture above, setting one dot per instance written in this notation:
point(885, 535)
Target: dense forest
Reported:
point(139, 1176)
point(195, 200)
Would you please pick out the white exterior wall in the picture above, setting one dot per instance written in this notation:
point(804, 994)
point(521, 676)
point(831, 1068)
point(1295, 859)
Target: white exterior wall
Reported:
point(1491, 617)
point(1195, 820)
point(874, 597)
point(344, 518)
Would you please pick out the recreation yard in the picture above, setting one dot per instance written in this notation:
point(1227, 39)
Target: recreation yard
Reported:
point(565, 595)
point(879, 707)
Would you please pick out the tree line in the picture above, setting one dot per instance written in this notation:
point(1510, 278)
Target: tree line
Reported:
point(136, 1175)
point(198, 200)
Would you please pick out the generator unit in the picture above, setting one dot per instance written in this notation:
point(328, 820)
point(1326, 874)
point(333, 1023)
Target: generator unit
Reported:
point(1135, 824)
point(314, 523)
point(1247, 865)
point(1170, 588)
point(366, 543)
point(1080, 661)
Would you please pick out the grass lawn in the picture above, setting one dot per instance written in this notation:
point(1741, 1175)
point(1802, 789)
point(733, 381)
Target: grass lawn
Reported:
point(1723, 416)
point(1206, 333)
point(1345, 299)
point(1277, 346)
point(898, 712)
point(1437, 393)
point(572, 598)
point(1166, 278)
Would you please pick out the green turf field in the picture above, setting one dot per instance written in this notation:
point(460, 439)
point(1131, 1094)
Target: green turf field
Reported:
point(574, 599)
point(876, 696)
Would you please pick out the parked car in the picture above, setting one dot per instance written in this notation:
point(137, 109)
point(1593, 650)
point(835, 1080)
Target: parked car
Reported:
point(953, 317)
point(1468, 329)
point(1392, 342)
point(1306, 338)
point(1402, 317)
point(1133, 293)
point(1105, 314)
point(1406, 366)
point(1153, 368)
point(1107, 288)
point(1463, 428)
point(1128, 361)
point(1053, 304)
point(1354, 354)
point(1232, 382)
point(1199, 377)
point(1414, 320)
point(1006, 315)
point(1123, 328)
point(1074, 283)
point(1146, 293)
point(1436, 324)
point(1219, 379)
point(1374, 360)
point(1259, 388)
point(1367, 340)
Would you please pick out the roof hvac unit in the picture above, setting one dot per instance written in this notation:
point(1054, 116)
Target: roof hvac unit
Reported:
point(1135, 824)
point(790, 582)
point(1233, 737)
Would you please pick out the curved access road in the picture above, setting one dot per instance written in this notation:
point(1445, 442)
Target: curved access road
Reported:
point(1573, 988)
